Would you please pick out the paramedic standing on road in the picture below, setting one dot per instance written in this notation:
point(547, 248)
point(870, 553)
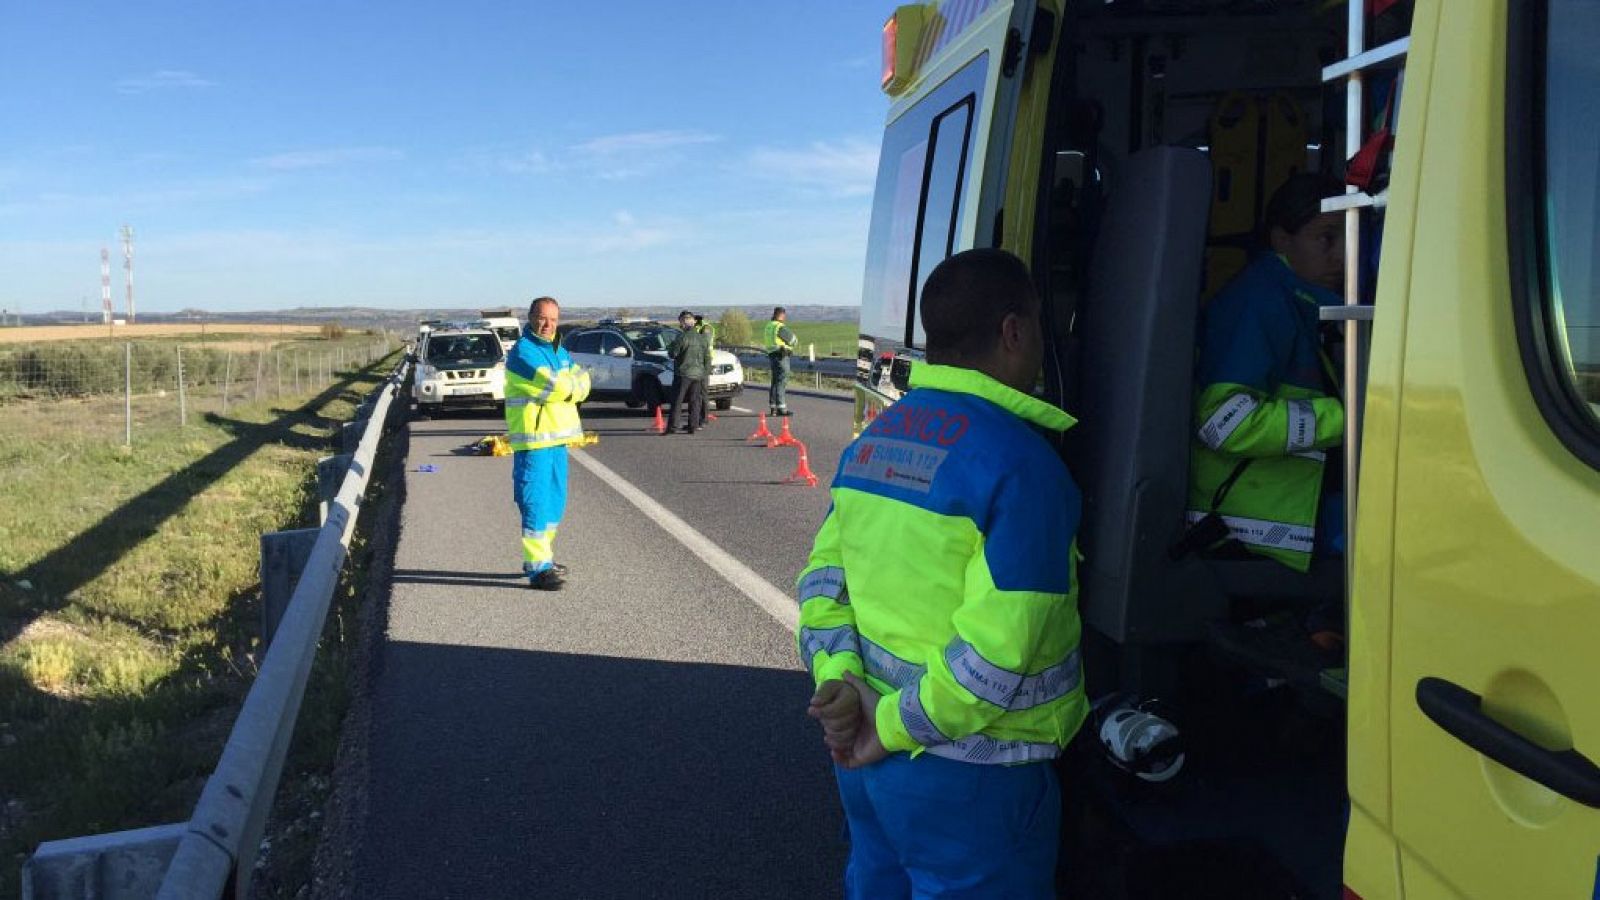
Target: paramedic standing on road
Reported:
point(779, 342)
point(946, 662)
point(543, 388)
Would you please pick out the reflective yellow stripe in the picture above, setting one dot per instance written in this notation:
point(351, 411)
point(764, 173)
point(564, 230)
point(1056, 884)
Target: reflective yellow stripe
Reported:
point(543, 436)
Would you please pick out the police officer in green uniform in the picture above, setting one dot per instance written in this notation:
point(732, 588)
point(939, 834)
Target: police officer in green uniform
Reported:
point(691, 362)
point(779, 342)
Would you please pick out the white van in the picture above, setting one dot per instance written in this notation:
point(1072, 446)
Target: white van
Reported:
point(506, 327)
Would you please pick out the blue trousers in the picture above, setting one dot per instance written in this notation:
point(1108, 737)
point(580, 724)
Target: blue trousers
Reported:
point(933, 827)
point(539, 479)
point(1330, 526)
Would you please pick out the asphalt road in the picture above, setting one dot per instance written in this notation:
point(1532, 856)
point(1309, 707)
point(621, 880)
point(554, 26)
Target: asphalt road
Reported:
point(640, 733)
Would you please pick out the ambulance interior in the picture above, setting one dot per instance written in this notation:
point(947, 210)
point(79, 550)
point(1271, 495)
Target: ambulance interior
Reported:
point(1171, 123)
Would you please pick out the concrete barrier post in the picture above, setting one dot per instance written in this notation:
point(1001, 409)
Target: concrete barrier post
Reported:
point(350, 435)
point(283, 558)
point(123, 865)
point(330, 476)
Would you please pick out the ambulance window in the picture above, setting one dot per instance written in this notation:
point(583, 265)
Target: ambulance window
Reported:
point(917, 204)
point(1560, 321)
point(942, 206)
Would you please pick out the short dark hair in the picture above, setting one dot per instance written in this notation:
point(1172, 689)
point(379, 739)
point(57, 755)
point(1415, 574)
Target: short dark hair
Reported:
point(778, 311)
point(533, 308)
point(967, 296)
point(1297, 201)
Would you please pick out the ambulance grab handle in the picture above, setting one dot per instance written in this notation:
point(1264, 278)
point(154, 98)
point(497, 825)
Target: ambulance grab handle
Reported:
point(1460, 713)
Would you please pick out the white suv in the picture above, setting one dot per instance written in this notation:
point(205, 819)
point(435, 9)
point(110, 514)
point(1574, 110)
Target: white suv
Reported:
point(628, 362)
point(459, 367)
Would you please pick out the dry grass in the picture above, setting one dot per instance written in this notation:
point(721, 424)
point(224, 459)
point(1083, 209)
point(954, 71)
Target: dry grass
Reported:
point(128, 600)
point(33, 333)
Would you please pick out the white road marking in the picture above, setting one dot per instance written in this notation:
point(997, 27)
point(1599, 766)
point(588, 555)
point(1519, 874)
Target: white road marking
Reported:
point(741, 409)
point(776, 603)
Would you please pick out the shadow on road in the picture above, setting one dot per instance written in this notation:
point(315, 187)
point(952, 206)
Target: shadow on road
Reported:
point(461, 579)
point(507, 773)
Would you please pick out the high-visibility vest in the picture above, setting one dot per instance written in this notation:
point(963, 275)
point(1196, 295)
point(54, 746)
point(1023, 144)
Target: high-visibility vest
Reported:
point(1263, 418)
point(773, 339)
point(969, 624)
point(543, 388)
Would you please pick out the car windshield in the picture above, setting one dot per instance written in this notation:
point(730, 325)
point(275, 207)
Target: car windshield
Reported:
point(460, 348)
point(508, 332)
point(651, 340)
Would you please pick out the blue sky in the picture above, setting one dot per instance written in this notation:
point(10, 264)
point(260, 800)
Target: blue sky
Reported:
point(425, 154)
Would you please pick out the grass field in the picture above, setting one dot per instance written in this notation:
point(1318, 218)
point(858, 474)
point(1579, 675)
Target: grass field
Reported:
point(128, 603)
point(831, 338)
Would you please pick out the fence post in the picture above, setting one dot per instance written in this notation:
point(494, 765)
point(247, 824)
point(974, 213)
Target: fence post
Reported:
point(277, 360)
point(183, 405)
point(127, 394)
point(261, 362)
point(227, 379)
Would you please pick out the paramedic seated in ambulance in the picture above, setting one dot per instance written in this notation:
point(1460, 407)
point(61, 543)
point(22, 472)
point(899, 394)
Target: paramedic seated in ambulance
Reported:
point(1268, 409)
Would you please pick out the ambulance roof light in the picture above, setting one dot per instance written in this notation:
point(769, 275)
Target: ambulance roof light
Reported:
point(902, 35)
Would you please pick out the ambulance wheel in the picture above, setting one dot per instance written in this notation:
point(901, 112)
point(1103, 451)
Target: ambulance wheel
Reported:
point(724, 404)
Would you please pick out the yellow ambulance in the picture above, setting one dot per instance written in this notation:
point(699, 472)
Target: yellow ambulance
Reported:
point(1125, 149)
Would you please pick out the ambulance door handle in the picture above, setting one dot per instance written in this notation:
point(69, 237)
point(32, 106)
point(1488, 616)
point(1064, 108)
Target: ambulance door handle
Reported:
point(1460, 713)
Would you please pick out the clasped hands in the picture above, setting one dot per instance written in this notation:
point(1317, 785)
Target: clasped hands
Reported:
point(847, 710)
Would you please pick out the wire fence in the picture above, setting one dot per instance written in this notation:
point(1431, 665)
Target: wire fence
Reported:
point(139, 386)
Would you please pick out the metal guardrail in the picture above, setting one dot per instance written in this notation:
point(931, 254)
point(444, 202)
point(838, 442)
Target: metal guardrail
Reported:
point(216, 849)
point(840, 366)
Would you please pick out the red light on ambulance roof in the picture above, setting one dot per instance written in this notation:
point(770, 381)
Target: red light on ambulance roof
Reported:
point(891, 33)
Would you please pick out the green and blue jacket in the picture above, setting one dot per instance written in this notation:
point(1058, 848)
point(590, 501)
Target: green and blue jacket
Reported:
point(945, 573)
point(1266, 411)
point(543, 390)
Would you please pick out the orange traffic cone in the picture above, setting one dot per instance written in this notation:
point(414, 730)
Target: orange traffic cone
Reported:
point(661, 422)
point(802, 471)
point(762, 433)
point(785, 438)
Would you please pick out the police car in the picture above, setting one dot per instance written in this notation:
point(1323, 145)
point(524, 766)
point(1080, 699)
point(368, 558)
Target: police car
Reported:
point(627, 361)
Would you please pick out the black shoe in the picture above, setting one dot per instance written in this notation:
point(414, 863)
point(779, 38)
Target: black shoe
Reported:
point(689, 431)
point(548, 580)
point(784, 413)
point(559, 569)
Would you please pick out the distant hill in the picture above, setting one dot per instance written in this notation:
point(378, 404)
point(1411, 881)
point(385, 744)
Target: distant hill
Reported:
point(405, 319)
